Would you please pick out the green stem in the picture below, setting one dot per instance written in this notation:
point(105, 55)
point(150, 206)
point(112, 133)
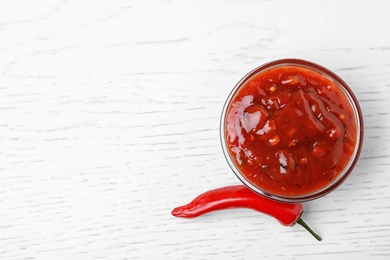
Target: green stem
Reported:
point(303, 224)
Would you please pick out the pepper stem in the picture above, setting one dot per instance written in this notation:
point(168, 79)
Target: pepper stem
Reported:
point(303, 224)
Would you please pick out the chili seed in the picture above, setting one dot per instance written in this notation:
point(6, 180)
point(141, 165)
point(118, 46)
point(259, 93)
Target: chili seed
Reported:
point(274, 141)
point(293, 143)
point(303, 161)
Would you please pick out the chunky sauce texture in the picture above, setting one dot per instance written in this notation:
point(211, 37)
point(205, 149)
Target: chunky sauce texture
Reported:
point(290, 130)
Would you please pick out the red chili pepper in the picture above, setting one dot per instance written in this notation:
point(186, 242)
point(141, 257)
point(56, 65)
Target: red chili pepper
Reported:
point(241, 197)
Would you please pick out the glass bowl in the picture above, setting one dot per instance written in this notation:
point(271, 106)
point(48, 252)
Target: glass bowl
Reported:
point(267, 97)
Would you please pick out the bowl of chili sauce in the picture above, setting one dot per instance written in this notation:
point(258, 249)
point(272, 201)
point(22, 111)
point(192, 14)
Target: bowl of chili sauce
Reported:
point(292, 130)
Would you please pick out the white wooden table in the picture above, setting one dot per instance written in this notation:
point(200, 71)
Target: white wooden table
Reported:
point(109, 118)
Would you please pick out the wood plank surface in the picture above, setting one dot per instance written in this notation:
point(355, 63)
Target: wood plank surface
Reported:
point(109, 118)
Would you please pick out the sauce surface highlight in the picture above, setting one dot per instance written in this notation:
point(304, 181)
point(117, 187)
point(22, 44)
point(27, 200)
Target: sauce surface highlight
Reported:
point(290, 131)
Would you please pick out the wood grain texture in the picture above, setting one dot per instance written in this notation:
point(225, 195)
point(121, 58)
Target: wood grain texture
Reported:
point(109, 118)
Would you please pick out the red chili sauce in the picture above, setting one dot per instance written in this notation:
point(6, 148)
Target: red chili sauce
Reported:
point(290, 130)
